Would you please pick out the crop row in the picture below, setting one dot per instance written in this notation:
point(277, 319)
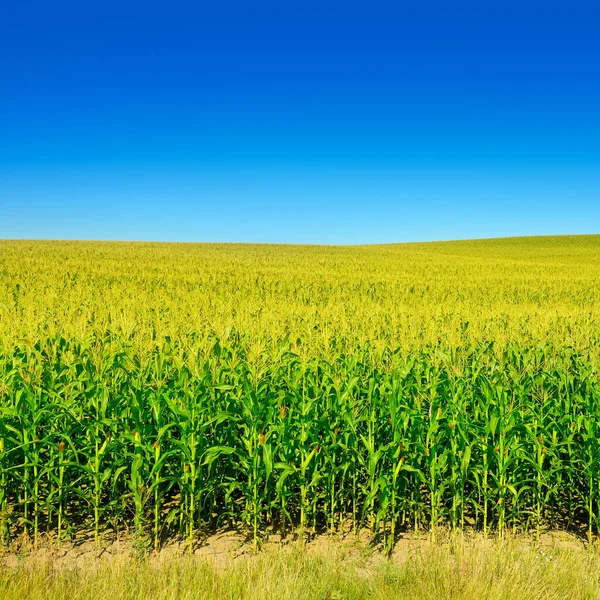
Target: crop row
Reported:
point(100, 436)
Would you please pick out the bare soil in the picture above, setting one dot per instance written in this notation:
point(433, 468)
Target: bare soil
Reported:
point(222, 548)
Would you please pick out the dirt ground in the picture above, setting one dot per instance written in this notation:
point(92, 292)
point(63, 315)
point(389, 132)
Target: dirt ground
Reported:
point(223, 548)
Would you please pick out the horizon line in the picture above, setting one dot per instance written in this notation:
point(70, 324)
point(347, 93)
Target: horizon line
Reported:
point(307, 244)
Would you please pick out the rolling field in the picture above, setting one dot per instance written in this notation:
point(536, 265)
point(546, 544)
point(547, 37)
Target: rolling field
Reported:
point(171, 389)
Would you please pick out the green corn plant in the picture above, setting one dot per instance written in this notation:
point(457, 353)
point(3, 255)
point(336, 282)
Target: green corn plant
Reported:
point(270, 434)
point(4, 529)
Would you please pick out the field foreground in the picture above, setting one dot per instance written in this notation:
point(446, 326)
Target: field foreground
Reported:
point(172, 390)
point(457, 566)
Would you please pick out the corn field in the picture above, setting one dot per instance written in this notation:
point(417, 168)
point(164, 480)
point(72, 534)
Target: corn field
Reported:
point(168, 390)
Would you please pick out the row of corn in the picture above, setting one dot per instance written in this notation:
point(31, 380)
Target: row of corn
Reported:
point(98, 436)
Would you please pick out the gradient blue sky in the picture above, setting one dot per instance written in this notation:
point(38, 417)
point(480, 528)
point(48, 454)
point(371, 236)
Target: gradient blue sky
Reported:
point(354, 122)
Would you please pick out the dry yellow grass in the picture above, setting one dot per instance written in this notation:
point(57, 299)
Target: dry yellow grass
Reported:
point(459, 568)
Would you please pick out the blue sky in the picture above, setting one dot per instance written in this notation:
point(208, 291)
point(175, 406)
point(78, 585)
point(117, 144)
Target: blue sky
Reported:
point(300, 122)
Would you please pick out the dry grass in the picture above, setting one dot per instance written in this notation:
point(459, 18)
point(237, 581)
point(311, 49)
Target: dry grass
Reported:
point(459, 567)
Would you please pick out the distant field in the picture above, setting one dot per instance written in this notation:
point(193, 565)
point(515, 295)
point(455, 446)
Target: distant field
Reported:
point(174, 388)
point(525, 290)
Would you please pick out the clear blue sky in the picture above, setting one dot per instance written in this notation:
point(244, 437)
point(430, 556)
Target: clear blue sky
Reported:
point(308, 122)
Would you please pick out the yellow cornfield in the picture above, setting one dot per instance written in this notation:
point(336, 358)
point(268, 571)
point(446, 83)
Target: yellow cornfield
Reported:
point(179, 387)
point(525, 290)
